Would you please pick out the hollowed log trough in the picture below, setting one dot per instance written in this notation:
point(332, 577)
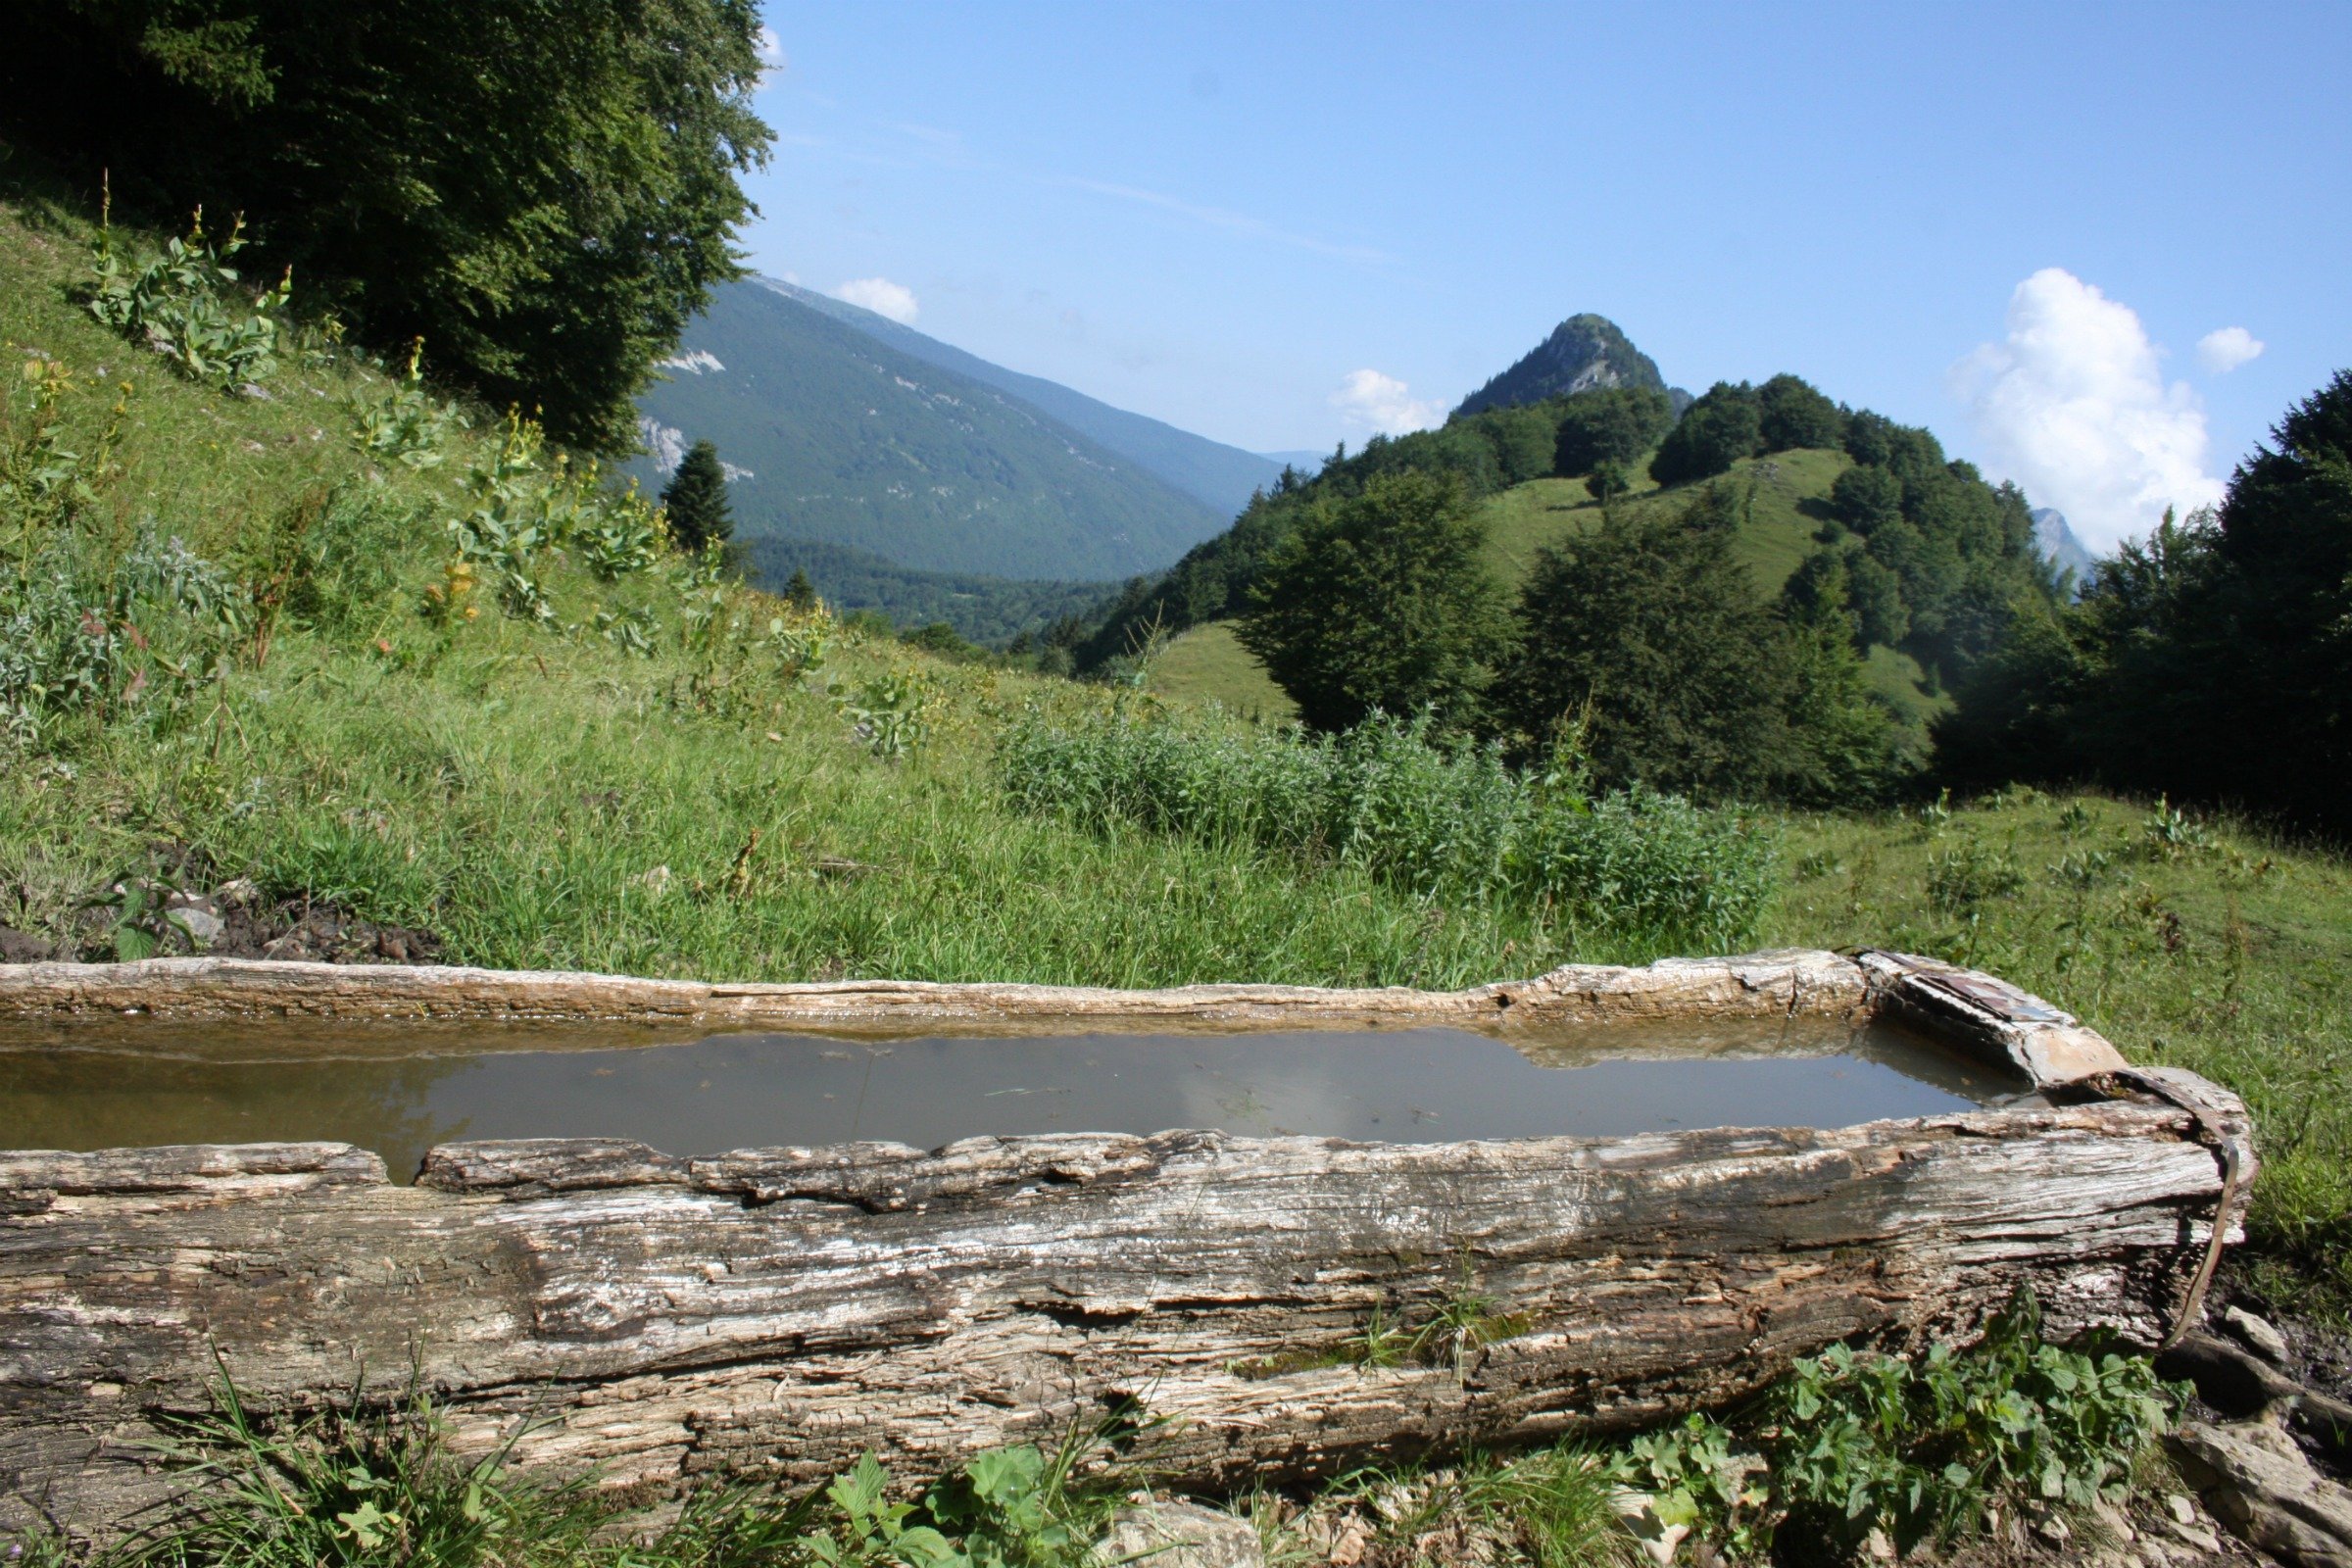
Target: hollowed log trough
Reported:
point(780, 1311)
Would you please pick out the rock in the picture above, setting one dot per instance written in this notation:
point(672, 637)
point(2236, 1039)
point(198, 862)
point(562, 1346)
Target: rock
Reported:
point(2195, 1537)
point(2180, 1508)
point(2257, 1334)
point(17, 947)
point(2257, 1483)
point(196, 915)
point(1180, 1535)
point(2111, 1519)
point(256, 391)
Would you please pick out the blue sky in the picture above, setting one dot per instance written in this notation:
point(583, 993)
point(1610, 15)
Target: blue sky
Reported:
point(2013, 225)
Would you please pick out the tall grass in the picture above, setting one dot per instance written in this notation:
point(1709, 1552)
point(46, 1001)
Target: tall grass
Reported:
point(1642, 871)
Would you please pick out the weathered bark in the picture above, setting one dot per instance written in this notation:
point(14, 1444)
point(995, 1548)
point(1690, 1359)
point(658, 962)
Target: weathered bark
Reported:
point(786, 1310)
point(1757, 985)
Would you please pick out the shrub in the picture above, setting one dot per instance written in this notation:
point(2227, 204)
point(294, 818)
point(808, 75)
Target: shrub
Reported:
point(188, 305)
point(1651, 871)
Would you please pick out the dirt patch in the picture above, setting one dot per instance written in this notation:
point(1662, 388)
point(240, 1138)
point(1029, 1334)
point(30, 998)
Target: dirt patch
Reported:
point(298, 929)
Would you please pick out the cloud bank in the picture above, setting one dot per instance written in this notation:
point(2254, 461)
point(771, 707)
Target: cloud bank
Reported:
point(1382, 402)
point(2226, 350)
point(2073, 405)
point(882, 297)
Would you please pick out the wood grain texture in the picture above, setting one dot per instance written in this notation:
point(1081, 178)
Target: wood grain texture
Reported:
point(787, 1310)
point(1755, 985)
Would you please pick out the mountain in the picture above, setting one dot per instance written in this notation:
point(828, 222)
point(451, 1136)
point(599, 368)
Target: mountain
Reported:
point(1584, 353)
point(1303, 462)
point(1219, 476)
point(832, 434)
point(2059, 544)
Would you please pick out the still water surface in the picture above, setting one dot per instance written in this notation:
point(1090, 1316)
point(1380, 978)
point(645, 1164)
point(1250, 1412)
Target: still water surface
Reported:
point(399, 1090)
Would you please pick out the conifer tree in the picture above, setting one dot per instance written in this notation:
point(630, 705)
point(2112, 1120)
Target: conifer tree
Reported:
point(799, 593)
point(696, 498)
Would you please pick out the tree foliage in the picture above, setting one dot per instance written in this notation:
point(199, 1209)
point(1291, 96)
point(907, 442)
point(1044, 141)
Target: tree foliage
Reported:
point(1617, 425)
point(1378, 602)
point(2213, 663)
point(695, 500)
point(1715, 432)
point(541, 189)
point(1793, 413)
point(1649, 634)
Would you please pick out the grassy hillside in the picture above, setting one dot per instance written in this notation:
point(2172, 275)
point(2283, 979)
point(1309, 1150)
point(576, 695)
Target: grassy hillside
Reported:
point(650, 780)
point(852, 442)
point(1208, 663)
point(1781, 495)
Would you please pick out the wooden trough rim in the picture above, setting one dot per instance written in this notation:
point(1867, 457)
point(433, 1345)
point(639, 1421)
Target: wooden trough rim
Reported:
point(1984, 1015)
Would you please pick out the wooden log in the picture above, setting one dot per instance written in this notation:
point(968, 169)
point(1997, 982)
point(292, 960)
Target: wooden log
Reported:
point(1755, 985)
point(783, 1311)
point(787, 1309)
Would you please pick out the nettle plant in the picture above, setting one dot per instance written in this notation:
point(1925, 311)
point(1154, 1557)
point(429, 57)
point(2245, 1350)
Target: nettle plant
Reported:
point(189, 305)
point(1854, 1443)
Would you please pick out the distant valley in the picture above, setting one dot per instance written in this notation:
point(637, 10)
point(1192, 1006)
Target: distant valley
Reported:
point(909, 476)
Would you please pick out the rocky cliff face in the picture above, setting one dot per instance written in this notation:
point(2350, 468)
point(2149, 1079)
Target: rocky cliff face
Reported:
point(1585, 353)
point(2058, 543)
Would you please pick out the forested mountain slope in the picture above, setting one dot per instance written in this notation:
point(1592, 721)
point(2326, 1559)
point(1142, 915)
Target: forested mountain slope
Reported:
point(1219, 476)
point(841, 438)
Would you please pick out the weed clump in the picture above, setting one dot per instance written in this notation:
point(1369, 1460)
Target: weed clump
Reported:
point(1652, 873)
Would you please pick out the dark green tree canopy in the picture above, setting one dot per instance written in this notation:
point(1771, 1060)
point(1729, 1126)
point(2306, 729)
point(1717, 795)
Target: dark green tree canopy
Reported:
point(1795, 414)
point(1866, 498)
point(695, 500)
point(1617, 425)
point(1378, 602)
point(1715, 432)
point(542, 189)
point(2212, 662)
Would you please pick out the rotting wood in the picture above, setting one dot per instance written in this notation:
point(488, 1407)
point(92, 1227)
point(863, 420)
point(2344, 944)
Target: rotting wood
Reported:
point(782, 1310)
point(1761, 984)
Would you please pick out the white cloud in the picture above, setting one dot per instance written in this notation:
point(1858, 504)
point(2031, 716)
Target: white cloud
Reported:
point(2073, 405)
point(2226, 350)
point(772, 58)
point(1382, 403)
point(882, 297)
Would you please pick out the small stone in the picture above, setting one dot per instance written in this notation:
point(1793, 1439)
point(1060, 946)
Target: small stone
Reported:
point(2111, 1519)
point(2052, 1529)
point(2257, 1334)
point(204, 928)
point(2195, 1536)
point(1181, 1534)
point(2180, 1508)
point(256, 391)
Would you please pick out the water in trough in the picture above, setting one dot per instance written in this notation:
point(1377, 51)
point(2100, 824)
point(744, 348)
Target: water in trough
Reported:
point(400, 1089)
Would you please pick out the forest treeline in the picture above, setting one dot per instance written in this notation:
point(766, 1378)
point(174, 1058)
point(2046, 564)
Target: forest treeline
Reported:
point(542, 190)
point(1929, 557)
point(2210, 663)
